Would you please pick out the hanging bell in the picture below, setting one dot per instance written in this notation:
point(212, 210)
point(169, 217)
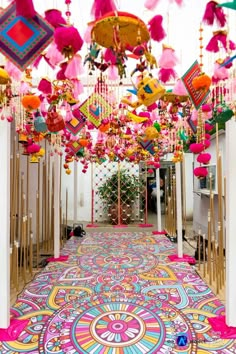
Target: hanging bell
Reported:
point(34, 159)
point(23, 138)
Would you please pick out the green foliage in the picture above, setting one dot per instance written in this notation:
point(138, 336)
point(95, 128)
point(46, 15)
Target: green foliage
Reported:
point(130, 187)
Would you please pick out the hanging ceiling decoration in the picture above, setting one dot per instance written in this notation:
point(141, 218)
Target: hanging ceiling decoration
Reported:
point(23, 39)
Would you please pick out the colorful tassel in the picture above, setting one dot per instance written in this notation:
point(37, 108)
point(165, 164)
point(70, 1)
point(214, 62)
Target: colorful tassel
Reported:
point(74, 67)
point(78, 88)
point(220, 73)
point(68, 40)
point(45, 86)
point(179, 88)
point(110, 56)
point(151, 4)
point(101, 7)
point(53, 55)
point(113, 73)
point(13, 71)
point(54, 17)
point(61, 73)
point(168, 58)
point(155, 28)
point(25, 8)
point(212, 12)
point(166, 75)
point(219, 36)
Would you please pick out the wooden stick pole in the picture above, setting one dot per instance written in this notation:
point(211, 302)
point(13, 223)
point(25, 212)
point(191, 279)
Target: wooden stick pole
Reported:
point(5, 152)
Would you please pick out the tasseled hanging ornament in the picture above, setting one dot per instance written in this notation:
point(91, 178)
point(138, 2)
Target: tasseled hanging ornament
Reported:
point(13, 71)
point(101, 7)
point(219, 36)
point(167, 62)
point(74, 67)
point(25, 8)
point(45, 86)
point(54, 55)
point(179, 88)
point(220, 72)
point(213, 12)
point(68, 40)
point(151, 4)
point(155, 28)
point(55, 18)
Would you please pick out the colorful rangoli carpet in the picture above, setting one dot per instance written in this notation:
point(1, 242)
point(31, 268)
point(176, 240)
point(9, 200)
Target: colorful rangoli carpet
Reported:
point(118, 294)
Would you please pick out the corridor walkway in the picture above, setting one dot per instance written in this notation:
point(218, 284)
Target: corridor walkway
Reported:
point(118, 293)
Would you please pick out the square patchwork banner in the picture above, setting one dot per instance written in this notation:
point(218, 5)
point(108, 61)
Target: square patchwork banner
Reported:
point(22, 39)
point(197, 97)
point(76, 123)
point(95, 109)
point(147, 145)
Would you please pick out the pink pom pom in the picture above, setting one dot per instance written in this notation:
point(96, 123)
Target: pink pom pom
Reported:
point(208, 127)
point(168, 59)
point(207, 136)
point(74, 67)
point(207, 143)
point(179, 88)
point(165, 75)
point(54, 17)
point(206, 107)
point(68, 38)
point(101, 7)
point(157, 165)
point(45, 86)
point(33, 149)
point(200, 172)
point(196, 148)
point(25, 8)
point(151, 4)
point(155, 28)
point(204, 158)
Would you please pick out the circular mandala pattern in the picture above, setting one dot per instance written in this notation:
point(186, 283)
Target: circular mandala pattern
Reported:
point(120, 324)
point(120, 260)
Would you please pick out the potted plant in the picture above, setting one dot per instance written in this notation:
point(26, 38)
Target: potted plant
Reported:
point(121, 189)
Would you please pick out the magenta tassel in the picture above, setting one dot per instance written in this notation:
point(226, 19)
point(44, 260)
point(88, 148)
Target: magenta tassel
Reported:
point(101, 7)
point(25, 8)
point(54, 17)
point(213, 45)
point(209, 14)
point(156, 30)
point(165, 75)
point(220, 16)
point(151, 4)
point(61, 73)
point(45, 86)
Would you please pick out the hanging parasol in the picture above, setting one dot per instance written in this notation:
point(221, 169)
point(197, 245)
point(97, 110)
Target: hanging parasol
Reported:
point(117, 29)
